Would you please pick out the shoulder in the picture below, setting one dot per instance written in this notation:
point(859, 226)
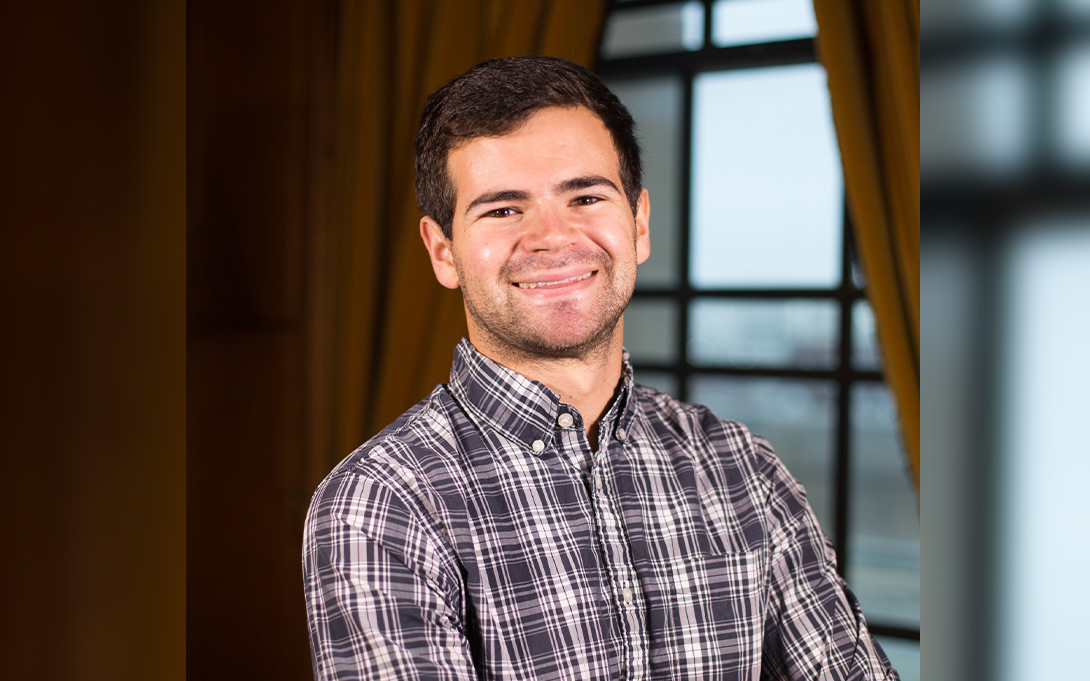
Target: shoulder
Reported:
point(697, 423)
point(379, 503)
point(392, 475)
point(736, 468)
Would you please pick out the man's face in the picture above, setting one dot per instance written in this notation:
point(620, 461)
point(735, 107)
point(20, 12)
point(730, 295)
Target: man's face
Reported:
point(545, 245)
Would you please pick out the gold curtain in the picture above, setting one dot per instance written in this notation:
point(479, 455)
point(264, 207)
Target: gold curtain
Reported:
point(871, 55)
point(384, 329)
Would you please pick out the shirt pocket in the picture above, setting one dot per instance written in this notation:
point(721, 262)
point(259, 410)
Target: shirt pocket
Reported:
point(706, 618)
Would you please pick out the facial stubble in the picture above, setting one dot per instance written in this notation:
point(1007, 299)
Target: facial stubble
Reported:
point(508, 329)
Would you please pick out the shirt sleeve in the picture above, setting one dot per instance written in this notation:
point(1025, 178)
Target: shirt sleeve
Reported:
point(381, 603)
point(814, 627)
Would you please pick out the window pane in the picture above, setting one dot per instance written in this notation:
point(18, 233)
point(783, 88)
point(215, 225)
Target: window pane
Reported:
point(978, 117)
point(650, 330)
point(1040, 465)
point(989, 15)
point(742, 22)
point(660, 380)
point(865, 354)
point(1073, 97)
point(651, 30)
point(903, 655)
point(767, 191)
point(795, 416)
point(859, 277)
point(884, 552)
point(655, 103)
point(1075, 9)
point(760, 333)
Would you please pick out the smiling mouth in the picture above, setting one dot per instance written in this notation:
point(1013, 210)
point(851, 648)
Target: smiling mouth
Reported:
point(559, 282)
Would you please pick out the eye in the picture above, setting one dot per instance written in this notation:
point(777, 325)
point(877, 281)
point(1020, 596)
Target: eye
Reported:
point(586, 200)
point(499, 213)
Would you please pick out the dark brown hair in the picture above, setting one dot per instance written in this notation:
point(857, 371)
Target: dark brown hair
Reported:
point(496, 97)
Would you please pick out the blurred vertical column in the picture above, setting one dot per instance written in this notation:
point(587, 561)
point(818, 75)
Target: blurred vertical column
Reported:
point(1044, 464)
point(92, 364)
point(1005, 171)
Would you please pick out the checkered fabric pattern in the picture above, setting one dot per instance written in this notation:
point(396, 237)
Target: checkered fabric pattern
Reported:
point(479, 537)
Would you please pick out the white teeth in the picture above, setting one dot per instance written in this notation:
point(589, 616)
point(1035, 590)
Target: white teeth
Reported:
point(555, 283)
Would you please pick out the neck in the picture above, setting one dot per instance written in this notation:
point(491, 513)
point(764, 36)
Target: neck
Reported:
point(587, 383)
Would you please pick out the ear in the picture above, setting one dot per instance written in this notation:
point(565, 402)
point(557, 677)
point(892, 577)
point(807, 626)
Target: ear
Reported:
point(439, 249)
point(643, 227)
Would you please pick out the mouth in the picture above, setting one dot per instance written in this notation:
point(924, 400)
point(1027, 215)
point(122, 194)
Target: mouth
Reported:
point(558, 282)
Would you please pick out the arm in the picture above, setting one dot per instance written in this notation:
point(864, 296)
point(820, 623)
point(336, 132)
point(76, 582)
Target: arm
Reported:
point(814, 628)
point(382, 599)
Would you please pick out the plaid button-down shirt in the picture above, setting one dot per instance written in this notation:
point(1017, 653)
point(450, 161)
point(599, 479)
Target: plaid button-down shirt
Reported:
point(479, 537)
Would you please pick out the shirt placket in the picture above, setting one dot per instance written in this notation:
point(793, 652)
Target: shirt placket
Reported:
point(625, 590)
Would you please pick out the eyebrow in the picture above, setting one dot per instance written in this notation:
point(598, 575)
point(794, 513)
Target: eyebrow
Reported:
point(562, 187)
point(577, 183)
point(493, 197)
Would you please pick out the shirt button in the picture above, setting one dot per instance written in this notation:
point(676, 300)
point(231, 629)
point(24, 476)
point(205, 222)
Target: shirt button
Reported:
point(597, 481)
point(565, 420)
point(621, 434)
point(538, 446)
point(627, 593)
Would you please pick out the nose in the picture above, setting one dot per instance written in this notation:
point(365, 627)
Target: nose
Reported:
point(550, 230)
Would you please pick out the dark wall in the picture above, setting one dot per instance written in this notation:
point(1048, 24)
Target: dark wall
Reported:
point(260, 84)
point(92, 355)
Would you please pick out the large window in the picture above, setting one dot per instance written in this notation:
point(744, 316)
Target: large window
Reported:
point(752, 302)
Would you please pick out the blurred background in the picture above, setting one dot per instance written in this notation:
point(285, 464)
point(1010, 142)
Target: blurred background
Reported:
point(1005, 173)
point(779, 138)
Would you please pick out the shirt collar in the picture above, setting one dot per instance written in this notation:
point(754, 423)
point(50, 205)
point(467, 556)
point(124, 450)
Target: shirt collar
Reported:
point(522, 409)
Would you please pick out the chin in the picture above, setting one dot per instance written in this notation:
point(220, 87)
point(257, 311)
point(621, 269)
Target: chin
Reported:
point(573, 344)
point(565, 333)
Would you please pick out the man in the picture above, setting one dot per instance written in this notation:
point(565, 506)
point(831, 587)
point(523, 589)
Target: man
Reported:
point(542, 516)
